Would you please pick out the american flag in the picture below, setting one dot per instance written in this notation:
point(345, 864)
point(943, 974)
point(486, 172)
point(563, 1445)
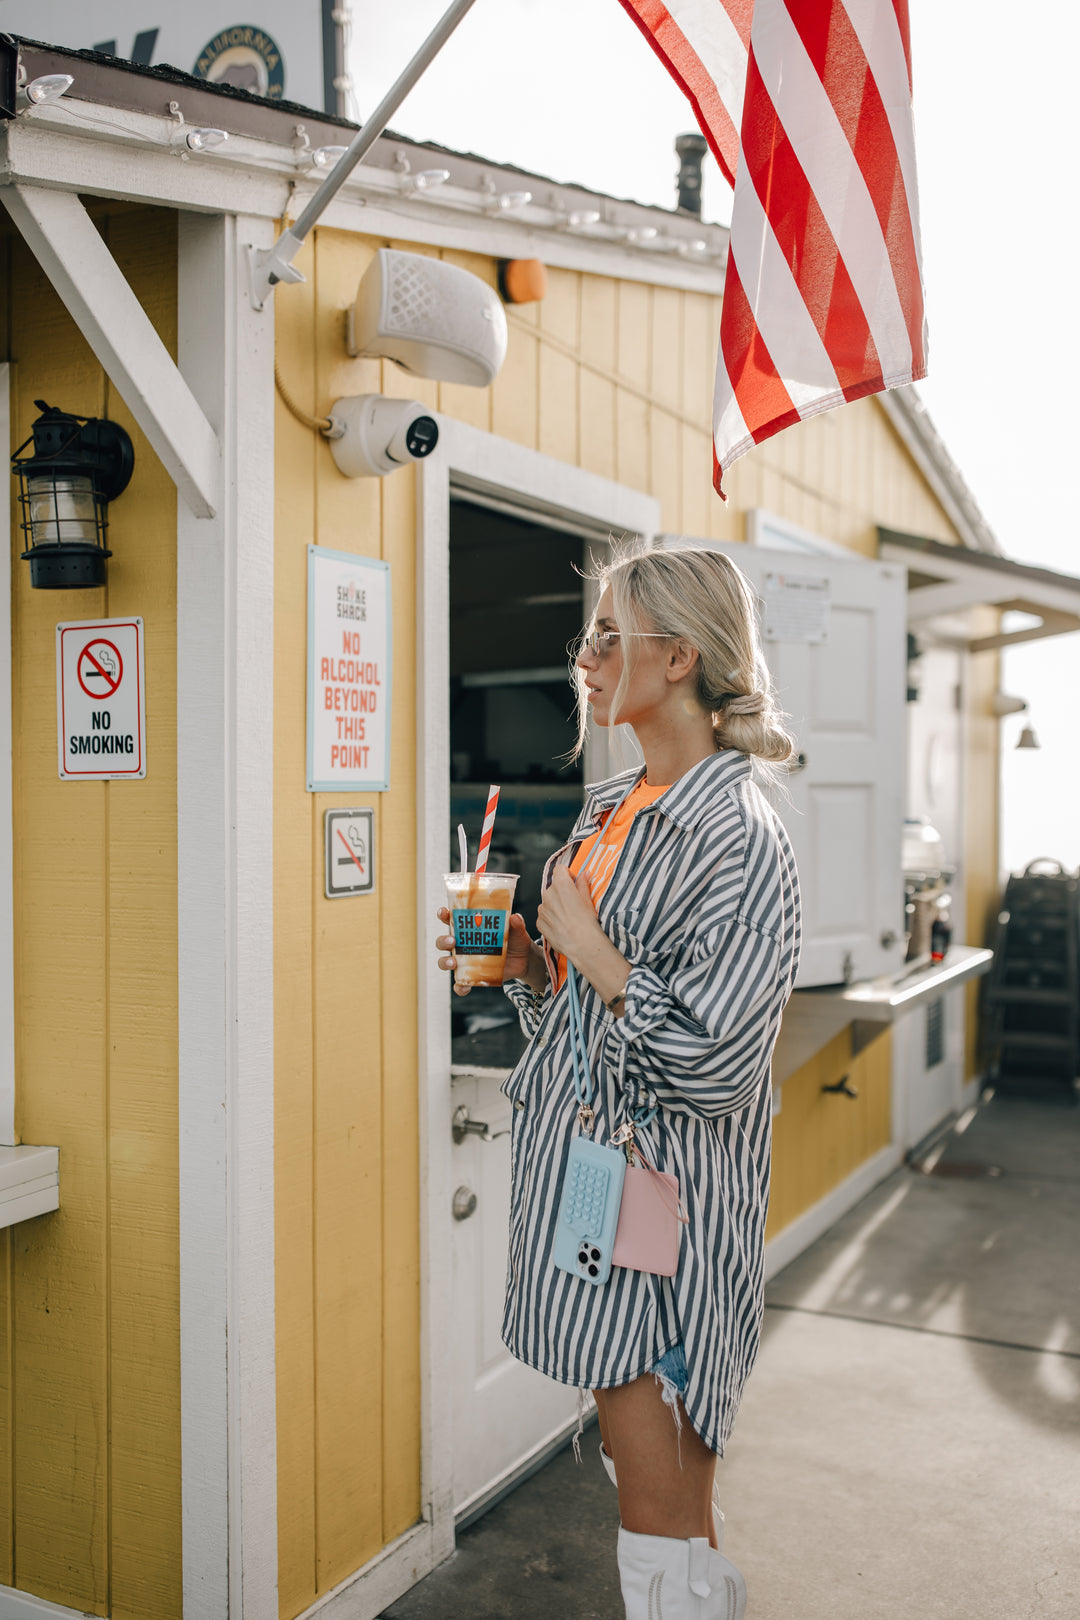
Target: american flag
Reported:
point(806, 105)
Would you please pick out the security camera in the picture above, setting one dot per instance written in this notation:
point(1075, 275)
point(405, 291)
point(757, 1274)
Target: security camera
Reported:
point(371, 435)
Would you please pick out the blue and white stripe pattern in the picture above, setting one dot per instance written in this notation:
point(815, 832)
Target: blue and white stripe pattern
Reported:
point(704, 904)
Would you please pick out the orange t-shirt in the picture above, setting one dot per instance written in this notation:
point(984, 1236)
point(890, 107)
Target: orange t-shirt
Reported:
point(613, 835)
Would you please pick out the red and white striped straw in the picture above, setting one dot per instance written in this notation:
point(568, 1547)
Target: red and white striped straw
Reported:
point(485, 835)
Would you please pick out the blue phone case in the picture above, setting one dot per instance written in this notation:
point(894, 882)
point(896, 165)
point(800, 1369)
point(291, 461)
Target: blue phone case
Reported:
point(589, 1210)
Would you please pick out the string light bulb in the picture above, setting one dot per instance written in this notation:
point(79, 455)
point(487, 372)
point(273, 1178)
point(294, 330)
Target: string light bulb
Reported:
point(508, 200)
point(50, 87)
point(325, 157)
point(204, 140)
point(426, 180)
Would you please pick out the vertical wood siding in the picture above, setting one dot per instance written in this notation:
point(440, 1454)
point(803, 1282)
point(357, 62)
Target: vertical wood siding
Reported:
point(819, 1138)
point(90, 1426)
point(348, 1262)
point(346, 1121)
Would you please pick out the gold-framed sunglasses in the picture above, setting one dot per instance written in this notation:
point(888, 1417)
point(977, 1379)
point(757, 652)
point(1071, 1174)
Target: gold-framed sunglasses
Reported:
point(599, 642)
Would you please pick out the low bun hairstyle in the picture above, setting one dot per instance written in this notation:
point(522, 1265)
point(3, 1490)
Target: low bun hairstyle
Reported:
point(698, 595)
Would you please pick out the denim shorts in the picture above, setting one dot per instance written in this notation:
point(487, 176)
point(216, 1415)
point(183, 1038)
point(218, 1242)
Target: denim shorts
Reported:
point(672, 1371)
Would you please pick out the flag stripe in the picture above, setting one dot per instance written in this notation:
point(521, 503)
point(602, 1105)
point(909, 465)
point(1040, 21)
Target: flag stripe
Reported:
point(778, 306)
point(837, 57)
point(686, 34)
point(803, 236)
point(842, 190)
point(744, 369)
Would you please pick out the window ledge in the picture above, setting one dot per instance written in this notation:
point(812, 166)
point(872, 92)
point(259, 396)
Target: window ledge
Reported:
point(813, 1017)
point(882, 1001)
point(29, 1183)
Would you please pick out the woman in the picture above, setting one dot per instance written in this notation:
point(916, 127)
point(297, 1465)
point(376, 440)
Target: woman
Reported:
point(684, 935)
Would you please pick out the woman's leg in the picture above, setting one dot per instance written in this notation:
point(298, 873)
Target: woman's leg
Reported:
point(665, 1476)
point(598, 1396)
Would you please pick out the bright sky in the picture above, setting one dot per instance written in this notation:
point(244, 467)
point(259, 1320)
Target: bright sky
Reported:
point(568, 88)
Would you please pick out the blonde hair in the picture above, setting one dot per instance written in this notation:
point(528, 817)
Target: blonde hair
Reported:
point(698, 595)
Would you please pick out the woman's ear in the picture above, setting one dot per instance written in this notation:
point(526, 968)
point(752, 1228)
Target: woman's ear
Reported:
point(682, 660)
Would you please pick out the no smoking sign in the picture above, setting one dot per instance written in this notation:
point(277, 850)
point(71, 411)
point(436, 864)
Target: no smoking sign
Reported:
point(350, 854)
point(100, 700)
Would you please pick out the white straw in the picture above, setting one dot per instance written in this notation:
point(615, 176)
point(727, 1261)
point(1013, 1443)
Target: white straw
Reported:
point(464, 848)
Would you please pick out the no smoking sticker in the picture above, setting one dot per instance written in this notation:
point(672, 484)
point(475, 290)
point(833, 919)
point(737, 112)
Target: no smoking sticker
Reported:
point(100, 700)
point(349, 853)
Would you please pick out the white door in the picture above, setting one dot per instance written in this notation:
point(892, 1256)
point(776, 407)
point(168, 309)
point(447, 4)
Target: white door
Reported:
point(487, 1416)
point(835, 641)
point(504, 1412)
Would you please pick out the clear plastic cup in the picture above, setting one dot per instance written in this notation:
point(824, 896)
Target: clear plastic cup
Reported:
point(480, 908)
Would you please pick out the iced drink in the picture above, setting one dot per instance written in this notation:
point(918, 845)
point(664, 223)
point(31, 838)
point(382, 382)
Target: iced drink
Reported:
point(480, 908)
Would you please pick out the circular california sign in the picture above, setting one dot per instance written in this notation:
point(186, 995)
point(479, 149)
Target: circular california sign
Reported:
point(244, 56)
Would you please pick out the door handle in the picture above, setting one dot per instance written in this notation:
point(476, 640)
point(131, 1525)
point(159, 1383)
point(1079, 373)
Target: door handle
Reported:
point(462, 1126)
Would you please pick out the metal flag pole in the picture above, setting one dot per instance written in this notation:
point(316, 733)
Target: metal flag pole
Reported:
point(271, 265)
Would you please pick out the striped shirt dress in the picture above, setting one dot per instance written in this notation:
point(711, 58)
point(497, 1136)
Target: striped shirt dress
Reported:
point(704, 904)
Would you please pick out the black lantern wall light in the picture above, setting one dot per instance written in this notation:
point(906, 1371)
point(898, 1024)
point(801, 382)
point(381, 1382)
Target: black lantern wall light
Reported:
point(78, 464)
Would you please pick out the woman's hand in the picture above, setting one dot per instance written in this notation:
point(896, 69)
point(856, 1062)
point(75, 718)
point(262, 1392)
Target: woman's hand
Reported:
point(520, 953)
point(569, 924)
point(566, 917)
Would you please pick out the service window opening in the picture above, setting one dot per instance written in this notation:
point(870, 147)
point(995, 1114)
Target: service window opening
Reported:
point(517, 604)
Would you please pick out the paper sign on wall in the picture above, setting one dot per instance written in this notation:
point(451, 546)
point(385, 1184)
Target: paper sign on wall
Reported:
point(796, 607)
point(348, 683)
point(100, 700)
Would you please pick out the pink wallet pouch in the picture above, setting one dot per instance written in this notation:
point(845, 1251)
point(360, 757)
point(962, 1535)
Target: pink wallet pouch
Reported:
point(647, 1236)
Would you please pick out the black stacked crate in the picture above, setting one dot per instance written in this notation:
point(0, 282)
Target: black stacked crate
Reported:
point(1031, 1010)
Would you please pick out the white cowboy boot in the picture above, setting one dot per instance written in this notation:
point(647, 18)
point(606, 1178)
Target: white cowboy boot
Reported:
point(666, 1579)
point(717, 1513)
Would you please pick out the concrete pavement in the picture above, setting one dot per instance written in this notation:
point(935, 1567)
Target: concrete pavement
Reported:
point(909, 1444)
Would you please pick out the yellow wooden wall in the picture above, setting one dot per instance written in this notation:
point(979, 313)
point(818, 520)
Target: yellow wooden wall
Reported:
point(346, 1116)
point(637, 409)
point(820, 1138)
point(89, 1364)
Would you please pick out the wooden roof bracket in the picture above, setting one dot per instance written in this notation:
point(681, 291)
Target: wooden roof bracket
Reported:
point(945, 580)
point(1054, 623)
point(62, 237)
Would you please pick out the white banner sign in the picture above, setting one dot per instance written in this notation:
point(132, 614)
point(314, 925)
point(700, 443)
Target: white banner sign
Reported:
point(348, 735)
point(100, 700)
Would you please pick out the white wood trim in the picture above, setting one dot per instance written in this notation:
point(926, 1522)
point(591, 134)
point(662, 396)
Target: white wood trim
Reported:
point(7, 872)
point(432, 781)
point(225, 855)
point(538, 485)
point(29, 1183)
point(16, 1605)
point(768, 529)
point(62, 237)
point(390, 1573)
point(54, 148)
point(805, 1228)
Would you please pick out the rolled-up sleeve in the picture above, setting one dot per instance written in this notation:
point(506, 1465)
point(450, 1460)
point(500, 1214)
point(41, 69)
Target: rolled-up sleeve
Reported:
point(528, 1005)
point(696, 1040)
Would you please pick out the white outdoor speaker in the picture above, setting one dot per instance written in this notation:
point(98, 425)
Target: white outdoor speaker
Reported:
point(434, 319)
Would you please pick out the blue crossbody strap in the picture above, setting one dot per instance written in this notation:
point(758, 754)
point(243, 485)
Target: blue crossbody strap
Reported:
point(579, 1051)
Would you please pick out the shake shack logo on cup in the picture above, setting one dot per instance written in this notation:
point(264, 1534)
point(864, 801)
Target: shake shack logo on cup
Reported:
point(479, 933)
point(244, 56)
